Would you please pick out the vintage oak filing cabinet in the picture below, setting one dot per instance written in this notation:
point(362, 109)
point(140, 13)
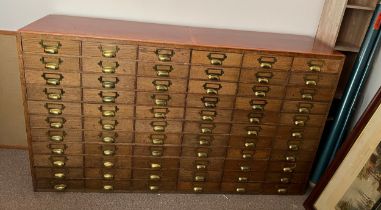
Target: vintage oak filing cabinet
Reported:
point(119, 106)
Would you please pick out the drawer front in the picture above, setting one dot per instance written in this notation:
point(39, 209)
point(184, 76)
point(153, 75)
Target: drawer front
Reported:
point(301, 120)
point(205, 140)
point(108, 110)
point(210, 101)
point(286, 178)
point(52, 63)
point(162, 70)
point(203, 152)
point(261, 91)
point(105, 81)
point(240, 176)
point(245, 165)
point(53, 79)
point(160, 99)
point(149, 112)
point(305, 107)
point(158, 126)
point(59, 185)
point(106, 124)
point(53, 135)
point(107, 49)
point(101, 161)
point(58, 173)
point(199, 187)
point(202, 164)
point(264, 61)
point(156, 163)
point(314, 80)
point(164, 54)
point(56, 161)
point(164, 85)
point(316, 65)
point(200, 176)
point(53, 94)
point(309, 94)
point(157, 139)
point(253, 117)
point(197, 114)
point(107, 174)
point(57, 148)
point(216, 58)
point(54, 108)
point(157, 151)
point(241, 188)
point(108, 136)
point(212, 88)
point(107, 149)
point(37, 121)
point(251, 143)
point(49, 45)
point(206, 128)
point(262, 76)
point(247, 103)
point(253, 130)
point(108, 96)
point(287, 132)
point(109, 66)
point(108, 186)
point(249, 154)
point(154, 175)
point(214, 73)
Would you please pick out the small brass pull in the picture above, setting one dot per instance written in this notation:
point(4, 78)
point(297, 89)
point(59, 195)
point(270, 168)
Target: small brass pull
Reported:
point(52, 78)
point(297, 135)
point(315, 68)
point(160, 113)
point(55, 122)
point(245, 168)
point(216, 58)
point(108, 152)
point(54, 109)
point(153, 187)
point(249, 144)
point(108, 111)
point(58, 163)
point(304, 110)
point(59, 175)
point(254, 120)
point(56, 138)
point(240, 189)
point(202, 154)
point(285, 180)
point(50, 48)
point(263, 80)
point(311, 83)
point(266, 65)
point(108, 187)
point(155, 166)
point(54, 93)
point(257, 107)
point(203, 142)
point(199, 179)
point(207, 115)
point(159, 126)
point(293, 147)
point(266, 62)
point(163, 70)
point(252, 133)
point(206, 130)
point(164, 55)
point(108, 82)
point(108, 176)
point(197, 189)
point(287, 170)
point(60, 187)
point(307, 96)
point(200, 166)
point(108, 164)
point(154, 177)
point(247, 156)
point(108, 51)
point(260, 94)
point(156, 153)
point(299, 122)
point(51, 65)
point(160, 99)
point(210, 102)
point(108, 139)
point(108, 125)
point(158, 139)
point(282, 190)
point(162, 85)
point(212, 88)
point(214, 74)
point(242, 179)
point(108, 97)
point(290, 159)
point(108, 67)
point(58, 151)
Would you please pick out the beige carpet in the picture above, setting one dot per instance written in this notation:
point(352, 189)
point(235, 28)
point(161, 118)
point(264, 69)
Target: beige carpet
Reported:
point(16, 193)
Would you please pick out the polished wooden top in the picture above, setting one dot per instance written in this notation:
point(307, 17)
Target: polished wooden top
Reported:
point(179, 35)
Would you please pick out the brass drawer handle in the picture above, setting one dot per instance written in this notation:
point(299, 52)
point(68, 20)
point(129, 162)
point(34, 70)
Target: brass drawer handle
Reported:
point(60, 187)
point(207, 128)
point(52, 78)
point(212, 88)
point(290, 159)
point(157, 152)
point(51, 65)
point(54, 109)
point(157, 141)
point(197, 189)
point(311, 82)
point(293, 147)
point(153, 187)
point(258, 105)
point(263, 80)
point(299, 122)
point(108, 152)
point(160, 113)
point(245, 168)
point(247, 156)
point(108, 139)
point(108, 187)
point(108, 51)
point(288, 170)
point(55, 122)
point(160, 99)
point(163, 70)
point(254, 120)
point(210, 102)
point(158, 138)
point(56, 138)
point(108, 111)
point(58, 151)
point(207, 115)
point(108, 82)
point(108, 67)
point(162, 85)
point(59, 175)
point(282, 190)
point(203, 142)
point(58, 163)
point(298, 135)
point(54, 93)
point(108, 176)
point(108, 164)
point(108, 97)
point(202, 154)
point(199, 179)
point(303, 110)
point(285, 180)
point(164, 55)
point(240, 189)
point(252, 133)
point(314, 68)
point(108, 125)
point(260, 94)
point(242, 179)
point(216, 58)
point(50, 48)
point(155, 166)
point(266, 62)
point(154, 177)
point(255, 117)
point(307, 96)
point(249, 144)
point(159, 126)
point(200, 166)
point(214, 74)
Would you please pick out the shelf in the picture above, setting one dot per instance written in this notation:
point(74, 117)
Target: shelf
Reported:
point(350, 6)
point(347, 47)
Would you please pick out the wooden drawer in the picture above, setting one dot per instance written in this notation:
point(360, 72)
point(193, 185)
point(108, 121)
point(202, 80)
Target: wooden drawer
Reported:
point(303, 145)
point(33, 43)
point(107, 174)
point(100, 161)
point(53, 94)
point(108, 49)
point(107, 136)
point(52, 63)
point(253, 117)
point(212, 88)
point(253, 130)
point(240, 176)
point(309, 94)
point(157, 139)
point(161, 85)
point(52, 184)
point(107, 149)
point(153, 186)
point(305, 107)
point(287, 132)
point(292, 156)
point(216, 58)
point(158, 126)
point(164, 54)
point(109, 66)
point(300, 120)
point(301, 167)
point(105, 185)
point(241, 188)
point(107, 124)
point(37, 121)
point(251, 143)
point(200, 176)
point(156, 163)
point(313, 80)
point(53, 79)
point(265, 61)
point(247, 103)
point(105, 81)
point(157, 151)
point(54, 108)
point(63, 135)
point(160, 99)
point(316, 65)
point(247, 153)
point(57, 148)
point(210, 101)
point(108, 96)
point(205, 140)
point(197, 187)
point(162, 70)
point(58, 173)
point(288, 189)
point(207, 115)
point(202, 164)
point(214, 73)
point(154, 175)
point(56, 161)
point(261, 91)
point(157, 113)
point(262, 76)
point(203, 152)
point(245, 165)
point(108, 110)
point(206, 128)
point(286, 178)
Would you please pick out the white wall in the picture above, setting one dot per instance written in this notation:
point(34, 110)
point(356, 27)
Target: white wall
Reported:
point(291, 16)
